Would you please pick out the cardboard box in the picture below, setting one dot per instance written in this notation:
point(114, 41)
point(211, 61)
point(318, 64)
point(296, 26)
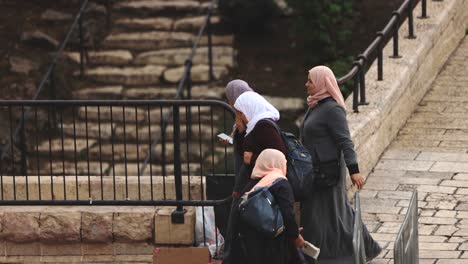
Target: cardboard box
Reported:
point(181, 255)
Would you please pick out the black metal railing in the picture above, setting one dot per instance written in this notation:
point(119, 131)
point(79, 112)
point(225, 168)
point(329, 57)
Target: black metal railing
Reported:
point(391, 30)
point(359, 254)
point(90, 152)
point(406, 249)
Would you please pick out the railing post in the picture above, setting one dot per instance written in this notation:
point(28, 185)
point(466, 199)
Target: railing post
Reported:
point(423, 9)
point(395, 36)
point(362, 80)
point(380, 57)
point(210, 46)
point(80, 29)
point(410, 20)
point(355, 93)
point(22, 146)
point(178, 214)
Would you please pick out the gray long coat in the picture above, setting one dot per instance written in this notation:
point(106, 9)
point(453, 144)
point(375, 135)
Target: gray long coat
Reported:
point(327, 216)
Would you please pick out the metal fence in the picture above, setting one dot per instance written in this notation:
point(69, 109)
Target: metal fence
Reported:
point(406, 249)
point(391, 30)
point(358, 241)
point(91, 152)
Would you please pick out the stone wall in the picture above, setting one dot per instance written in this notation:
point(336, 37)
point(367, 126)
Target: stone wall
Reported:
point(406, 79)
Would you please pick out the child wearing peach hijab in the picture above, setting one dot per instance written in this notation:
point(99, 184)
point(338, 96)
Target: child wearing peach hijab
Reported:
point(270, 168)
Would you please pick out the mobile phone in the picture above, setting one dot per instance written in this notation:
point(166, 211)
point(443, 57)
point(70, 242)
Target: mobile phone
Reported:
point(225, 137)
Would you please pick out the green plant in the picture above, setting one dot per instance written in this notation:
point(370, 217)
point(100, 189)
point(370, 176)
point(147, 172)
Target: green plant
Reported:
point(248, 16)
point(326, 28)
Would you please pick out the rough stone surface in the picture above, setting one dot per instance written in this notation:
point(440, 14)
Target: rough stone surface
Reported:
point(221, 56)
point(160, 23)
point(133, 227)
point(152, 40)
point(194, 23)
point(110, 57)
point(39, 38)
point(168, 233)
point(20, 227)
point(60, 227)
point(54, 15)
point(200, 73)
point(21, 65)
point(146, 75)
point(96, 227)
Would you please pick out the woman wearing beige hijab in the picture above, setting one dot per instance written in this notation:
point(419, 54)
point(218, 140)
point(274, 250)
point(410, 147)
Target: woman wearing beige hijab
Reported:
point(327, 216)
point(270, 171)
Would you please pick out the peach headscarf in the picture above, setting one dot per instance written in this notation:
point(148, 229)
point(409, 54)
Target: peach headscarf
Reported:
point(270, 166)
point(325, 82)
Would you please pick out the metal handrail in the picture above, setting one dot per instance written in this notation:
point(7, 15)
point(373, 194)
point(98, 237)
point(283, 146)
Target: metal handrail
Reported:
point(357, 72)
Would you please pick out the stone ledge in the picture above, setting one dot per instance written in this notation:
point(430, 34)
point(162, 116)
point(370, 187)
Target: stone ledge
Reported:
point(406, 80)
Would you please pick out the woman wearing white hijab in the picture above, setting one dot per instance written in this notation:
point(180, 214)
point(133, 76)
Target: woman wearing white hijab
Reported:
point(270, 168)
point(260, 133)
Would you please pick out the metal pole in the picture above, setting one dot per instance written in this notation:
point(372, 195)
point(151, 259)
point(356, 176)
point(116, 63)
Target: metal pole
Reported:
point(410, 20)
point(380, 57)
point(177, 216)
point(362, 84)
point(210, 48)
point(355, 93)
point(423, 9)
point(80, 28)
point(395, 36)
point(22, 145)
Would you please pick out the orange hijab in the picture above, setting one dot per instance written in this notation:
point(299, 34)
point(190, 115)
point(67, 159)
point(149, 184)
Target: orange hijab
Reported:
point(325, 86)
point(270, 166)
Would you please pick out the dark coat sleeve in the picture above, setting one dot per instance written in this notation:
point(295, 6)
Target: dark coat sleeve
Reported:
point(338, 127)
point(283, 194)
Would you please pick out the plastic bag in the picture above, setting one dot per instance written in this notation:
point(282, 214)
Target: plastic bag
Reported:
point(207, 236)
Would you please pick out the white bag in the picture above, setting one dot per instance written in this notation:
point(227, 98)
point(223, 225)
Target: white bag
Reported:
point(209, 232)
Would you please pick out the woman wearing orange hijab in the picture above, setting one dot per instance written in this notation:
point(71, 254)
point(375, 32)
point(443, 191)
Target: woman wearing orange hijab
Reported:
point(327, 216)
point(270, 168)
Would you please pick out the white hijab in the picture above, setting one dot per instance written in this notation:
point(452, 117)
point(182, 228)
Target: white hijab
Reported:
point(255, 108)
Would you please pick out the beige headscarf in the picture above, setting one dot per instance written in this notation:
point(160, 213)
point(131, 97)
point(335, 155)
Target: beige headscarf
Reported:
point(270, 166)
point(325, 83)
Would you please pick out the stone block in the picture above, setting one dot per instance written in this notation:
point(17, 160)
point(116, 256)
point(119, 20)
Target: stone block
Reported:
point(133, 249)
point(20, 227)
point(133, 227)
point(59, 249)
point(60, 227)
point(22, 249)
point(96, 227)
point(168, 233)
point(96, 249)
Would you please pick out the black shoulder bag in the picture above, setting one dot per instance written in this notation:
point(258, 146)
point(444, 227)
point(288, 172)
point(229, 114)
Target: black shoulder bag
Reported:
point(327, 174)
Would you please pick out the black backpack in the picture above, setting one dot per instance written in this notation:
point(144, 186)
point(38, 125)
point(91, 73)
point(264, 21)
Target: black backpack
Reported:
point(300, 171)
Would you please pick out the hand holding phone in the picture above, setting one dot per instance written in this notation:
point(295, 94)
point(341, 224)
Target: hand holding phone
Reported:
point(225, 138)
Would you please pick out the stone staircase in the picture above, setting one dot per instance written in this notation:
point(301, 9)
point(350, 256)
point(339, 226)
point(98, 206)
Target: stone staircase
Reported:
point(88, 155)
point(144, 54)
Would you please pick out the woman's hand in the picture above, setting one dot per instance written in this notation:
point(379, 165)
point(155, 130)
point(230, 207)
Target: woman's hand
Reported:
point(247, 157)
point(240, 126)
point(299, 242)
point(358, 180)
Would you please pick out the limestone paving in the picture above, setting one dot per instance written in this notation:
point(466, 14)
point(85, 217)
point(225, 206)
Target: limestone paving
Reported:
point(430, 154)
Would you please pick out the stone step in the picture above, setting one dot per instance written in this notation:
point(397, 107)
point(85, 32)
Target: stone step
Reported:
point(157, 93)
point(146, 75)
point(132, 169)
point(140, 115)
point(109, 57)
point(199, 73)
point(108, 152)
point(107, 187)
point(90, 234)
point(96, 93)
point(157, 40)
point(190, 24)
point(152, 7)
point(221, 56)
